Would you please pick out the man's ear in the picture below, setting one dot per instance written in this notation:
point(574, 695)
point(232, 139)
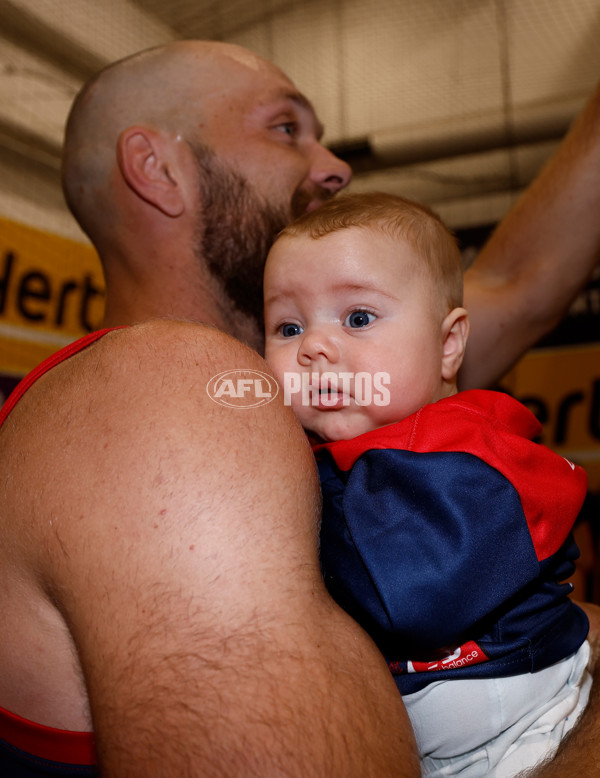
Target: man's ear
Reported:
point(147, 163)
point(455, 331)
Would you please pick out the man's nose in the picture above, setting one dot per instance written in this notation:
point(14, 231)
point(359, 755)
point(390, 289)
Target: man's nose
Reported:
point(317, 345)
point(328, 171)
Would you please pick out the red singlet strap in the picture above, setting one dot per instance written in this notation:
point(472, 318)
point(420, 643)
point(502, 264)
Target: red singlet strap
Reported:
point(56, 745)
point(48, 364)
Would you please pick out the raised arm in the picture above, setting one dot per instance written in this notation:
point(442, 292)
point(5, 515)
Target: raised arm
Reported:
point(179, 539)
point(542, 253)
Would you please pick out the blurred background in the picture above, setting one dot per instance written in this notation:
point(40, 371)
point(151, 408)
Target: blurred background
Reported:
point(456, 103)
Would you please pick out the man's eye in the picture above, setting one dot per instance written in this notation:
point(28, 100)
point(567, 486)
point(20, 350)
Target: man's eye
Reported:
point(290, 330)
point(289, 128)
point(358, 319)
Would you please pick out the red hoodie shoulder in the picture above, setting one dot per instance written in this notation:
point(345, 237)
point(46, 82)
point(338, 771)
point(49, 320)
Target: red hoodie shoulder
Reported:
point(462, 422)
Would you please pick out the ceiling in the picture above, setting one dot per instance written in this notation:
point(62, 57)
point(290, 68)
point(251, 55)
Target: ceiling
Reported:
point(453, 102)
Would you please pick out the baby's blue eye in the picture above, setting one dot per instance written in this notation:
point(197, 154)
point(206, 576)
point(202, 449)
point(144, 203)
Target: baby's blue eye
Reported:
point(290, 330)
point(358, 319)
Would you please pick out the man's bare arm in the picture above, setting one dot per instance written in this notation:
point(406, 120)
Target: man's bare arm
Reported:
point(540, 256)
point(179, 539)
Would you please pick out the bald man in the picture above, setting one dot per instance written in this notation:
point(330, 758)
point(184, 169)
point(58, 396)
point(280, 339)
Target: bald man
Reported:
point(182, 164)
point(159, 562)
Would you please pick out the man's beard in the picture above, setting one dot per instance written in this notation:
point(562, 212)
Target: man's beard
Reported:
point(235, 231)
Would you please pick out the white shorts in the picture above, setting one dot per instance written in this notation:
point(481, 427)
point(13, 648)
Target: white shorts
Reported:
point(497, 727)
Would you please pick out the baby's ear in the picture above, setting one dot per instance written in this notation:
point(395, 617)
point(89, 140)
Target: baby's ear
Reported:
point(455, 331)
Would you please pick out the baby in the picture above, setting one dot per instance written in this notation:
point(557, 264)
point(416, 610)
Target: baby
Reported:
point(446, 530)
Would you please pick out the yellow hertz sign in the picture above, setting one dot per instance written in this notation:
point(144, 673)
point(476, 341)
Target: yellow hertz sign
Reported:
point(562, 387)
point(51, 292)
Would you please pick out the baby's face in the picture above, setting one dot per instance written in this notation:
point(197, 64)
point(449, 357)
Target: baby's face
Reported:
point(353, 330)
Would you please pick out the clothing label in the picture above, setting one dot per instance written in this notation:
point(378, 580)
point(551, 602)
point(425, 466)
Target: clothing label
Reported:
point(467, 654)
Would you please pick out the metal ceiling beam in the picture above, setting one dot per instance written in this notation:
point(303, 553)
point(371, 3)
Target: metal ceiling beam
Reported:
point(458, 136)
point(39, 38)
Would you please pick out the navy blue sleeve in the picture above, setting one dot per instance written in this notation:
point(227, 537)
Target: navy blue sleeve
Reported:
point(423, 546)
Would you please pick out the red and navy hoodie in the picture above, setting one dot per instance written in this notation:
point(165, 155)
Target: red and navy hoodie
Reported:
point(448, 537)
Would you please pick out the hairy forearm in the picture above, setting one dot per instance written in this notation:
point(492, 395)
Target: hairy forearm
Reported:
point(266, 701)
point(541, 254)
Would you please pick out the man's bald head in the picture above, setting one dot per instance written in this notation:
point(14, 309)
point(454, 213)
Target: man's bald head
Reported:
point(164, 88)
point(182, 163)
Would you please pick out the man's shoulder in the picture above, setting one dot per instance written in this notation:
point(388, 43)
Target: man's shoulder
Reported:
point(190, 342)
point(174, 374)
point(152, 392)
point(126, 429)
point(135, 358)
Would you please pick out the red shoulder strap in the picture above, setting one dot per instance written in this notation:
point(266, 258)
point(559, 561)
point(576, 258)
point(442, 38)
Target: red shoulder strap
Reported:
point(48, 364)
